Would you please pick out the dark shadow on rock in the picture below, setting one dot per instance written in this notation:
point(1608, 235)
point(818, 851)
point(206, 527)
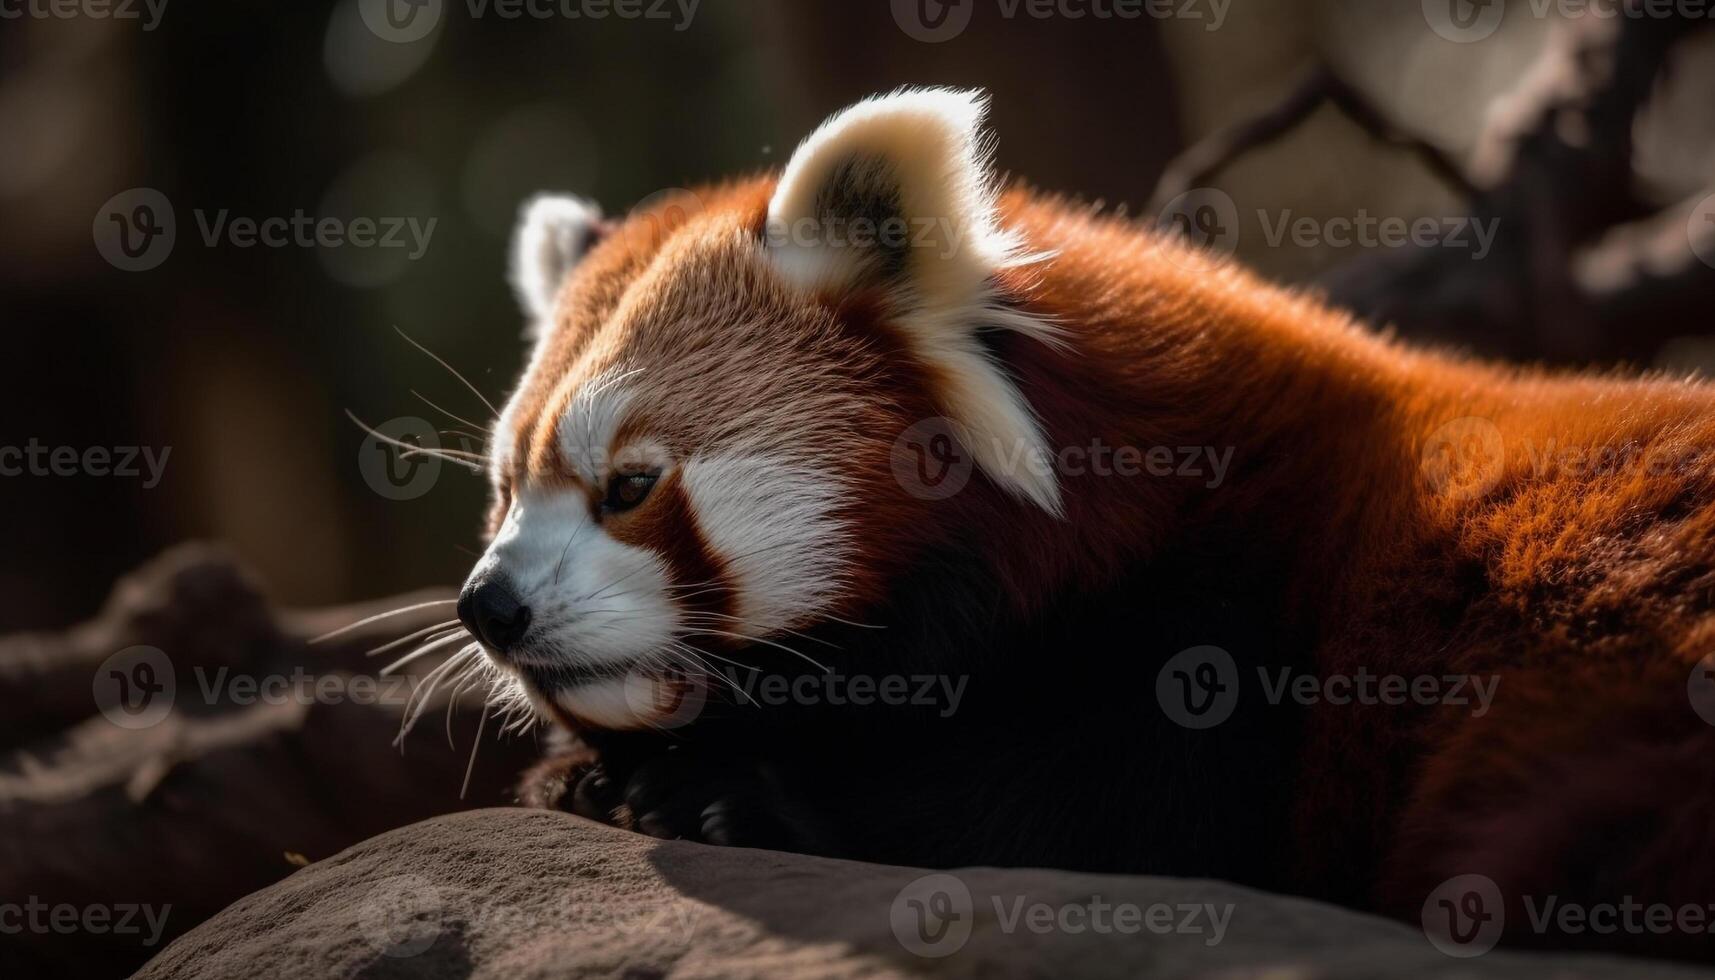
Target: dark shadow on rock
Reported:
point(529, 892)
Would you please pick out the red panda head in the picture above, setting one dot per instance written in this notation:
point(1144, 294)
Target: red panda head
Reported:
point(701, 454)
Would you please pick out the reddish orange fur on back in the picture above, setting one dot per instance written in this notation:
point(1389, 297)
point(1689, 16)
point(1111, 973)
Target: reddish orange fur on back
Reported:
point(1578, 567)
point(1588, 589)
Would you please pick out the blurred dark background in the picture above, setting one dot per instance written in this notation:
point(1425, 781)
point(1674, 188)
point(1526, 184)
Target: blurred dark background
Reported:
point(1582, 144)
point(244, 360)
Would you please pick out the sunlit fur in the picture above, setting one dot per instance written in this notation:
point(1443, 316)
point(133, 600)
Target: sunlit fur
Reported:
point(772, 399)
point(922, 155)
point(554, 232)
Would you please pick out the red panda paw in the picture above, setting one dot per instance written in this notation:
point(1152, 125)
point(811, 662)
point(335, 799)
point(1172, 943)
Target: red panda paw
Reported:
point(687, 795)
point(575, 783)
point(548, 784)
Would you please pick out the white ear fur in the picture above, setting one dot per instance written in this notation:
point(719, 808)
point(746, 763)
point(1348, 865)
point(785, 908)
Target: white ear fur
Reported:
point(917, 161)
point(554, 231)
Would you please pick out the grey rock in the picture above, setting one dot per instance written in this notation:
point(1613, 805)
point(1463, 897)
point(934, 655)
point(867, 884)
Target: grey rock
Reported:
point(522, 893)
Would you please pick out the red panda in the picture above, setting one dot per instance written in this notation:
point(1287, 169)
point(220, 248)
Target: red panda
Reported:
point(715, 462)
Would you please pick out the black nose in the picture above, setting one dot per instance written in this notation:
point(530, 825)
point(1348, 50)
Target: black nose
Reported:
point(490, 609)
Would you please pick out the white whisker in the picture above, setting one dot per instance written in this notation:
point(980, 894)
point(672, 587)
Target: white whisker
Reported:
point(451, 624)
point(473, 389)
point(704, 631)
point(470, 766)
point(420, 698)
point(380, 616)
point(734, 619)
point(861, 626)
point(466, 679)
point(443, 453)
point(427, 648)
point(456, 418)
point(410, 448)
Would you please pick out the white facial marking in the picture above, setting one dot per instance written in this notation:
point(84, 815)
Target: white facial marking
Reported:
point(587, 426)
point(773, 522)
point(605, 704)
point(593, 601)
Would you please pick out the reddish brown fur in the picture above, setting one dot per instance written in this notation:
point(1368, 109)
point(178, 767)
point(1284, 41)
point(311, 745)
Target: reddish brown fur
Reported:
point(1588, 591)
point(1590, 594)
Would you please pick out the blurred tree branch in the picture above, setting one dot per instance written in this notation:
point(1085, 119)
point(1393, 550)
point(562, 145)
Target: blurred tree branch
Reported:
point(207, 804)
point(1553, 174)
point(1322, 86)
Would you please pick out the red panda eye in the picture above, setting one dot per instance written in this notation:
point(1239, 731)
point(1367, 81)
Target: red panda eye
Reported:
point(627, 490)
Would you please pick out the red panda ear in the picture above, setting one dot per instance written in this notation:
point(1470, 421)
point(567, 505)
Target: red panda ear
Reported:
point(895, 194)
point(554, 232)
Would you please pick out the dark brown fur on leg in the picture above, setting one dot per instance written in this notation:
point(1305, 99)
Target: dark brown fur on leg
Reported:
point(1564, 807)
